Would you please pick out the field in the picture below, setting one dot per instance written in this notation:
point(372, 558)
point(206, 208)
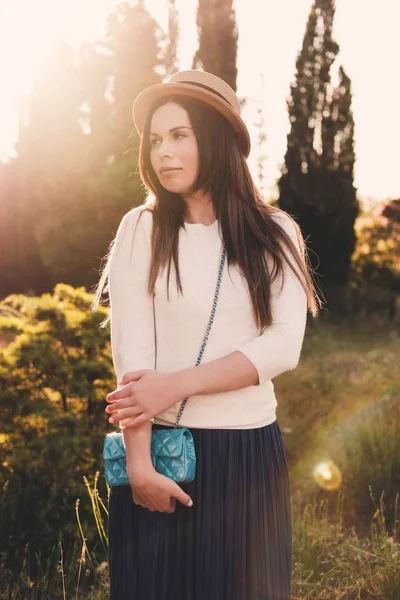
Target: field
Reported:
point(339, 413)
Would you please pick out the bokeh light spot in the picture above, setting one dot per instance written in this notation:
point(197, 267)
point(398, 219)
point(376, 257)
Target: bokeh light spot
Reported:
point(328, 475)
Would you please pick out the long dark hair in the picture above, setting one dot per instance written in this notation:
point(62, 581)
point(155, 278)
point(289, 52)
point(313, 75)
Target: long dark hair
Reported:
point(246, 222)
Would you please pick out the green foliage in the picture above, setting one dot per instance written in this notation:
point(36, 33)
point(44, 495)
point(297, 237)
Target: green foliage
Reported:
point(54, 376)
point(375, 270)
point(60, 346)
point(53, 536)
point(46, 457)
point(63, 196)
point(75, 230)
point(376, 258)
point(54, 573)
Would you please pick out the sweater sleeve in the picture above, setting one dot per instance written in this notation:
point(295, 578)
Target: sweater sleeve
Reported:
point(131, 307)
point(277, 349)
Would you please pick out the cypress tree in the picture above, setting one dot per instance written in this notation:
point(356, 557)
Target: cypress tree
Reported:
point(218, 38)
point(171, 59)
point(316, 185)
point(132, 39)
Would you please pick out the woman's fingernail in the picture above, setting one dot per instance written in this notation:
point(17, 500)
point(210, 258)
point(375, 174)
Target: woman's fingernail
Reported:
point(190, 503)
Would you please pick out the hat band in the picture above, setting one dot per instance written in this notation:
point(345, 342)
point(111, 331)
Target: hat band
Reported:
point(205, 87)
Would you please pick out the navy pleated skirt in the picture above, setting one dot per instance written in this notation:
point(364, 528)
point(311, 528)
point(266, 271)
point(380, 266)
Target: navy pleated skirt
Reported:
point(234, 543)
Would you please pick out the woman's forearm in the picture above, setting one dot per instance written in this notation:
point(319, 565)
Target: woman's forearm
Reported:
point(232, 372)
point(137, 446)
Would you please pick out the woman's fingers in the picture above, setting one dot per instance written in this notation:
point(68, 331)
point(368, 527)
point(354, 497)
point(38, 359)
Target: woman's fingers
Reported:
point(127, 413)
point(158, 493)
point(114, 408)
point(182, 496)
point(119, 405)
point(150, 503)
point(162, 497)
point(143, 502)
point(125, 391)
point(137, 498)
point(132, 376)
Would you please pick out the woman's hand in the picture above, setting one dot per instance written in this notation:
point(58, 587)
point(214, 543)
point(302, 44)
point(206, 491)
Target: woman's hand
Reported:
point(156, 492)
point(143, 395)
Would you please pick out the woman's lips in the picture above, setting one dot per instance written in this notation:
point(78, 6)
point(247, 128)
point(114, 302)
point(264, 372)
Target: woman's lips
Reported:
point(169, 171)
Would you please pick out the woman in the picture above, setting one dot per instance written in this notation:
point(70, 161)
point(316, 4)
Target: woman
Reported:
point(227, 534)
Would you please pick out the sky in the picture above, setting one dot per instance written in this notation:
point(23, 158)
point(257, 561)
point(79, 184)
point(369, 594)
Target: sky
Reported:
point(270, 36)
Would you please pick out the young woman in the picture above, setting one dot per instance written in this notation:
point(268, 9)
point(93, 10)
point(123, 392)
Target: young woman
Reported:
point(227, 534)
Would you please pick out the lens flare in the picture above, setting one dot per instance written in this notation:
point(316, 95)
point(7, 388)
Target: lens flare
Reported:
point(328, 476)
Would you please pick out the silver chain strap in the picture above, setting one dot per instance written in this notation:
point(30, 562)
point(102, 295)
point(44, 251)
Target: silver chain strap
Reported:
point(210, 322)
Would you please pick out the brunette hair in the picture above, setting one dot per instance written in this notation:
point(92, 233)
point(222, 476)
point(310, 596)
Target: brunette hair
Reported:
point(249, 231)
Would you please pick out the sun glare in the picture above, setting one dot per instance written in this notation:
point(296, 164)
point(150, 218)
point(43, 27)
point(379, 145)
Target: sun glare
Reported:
point(26, 41)
point(27, 32)
point(29, 28)
point(328, 476)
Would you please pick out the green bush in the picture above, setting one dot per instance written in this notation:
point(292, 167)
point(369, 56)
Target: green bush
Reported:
point(375, 275)
point(54, 374)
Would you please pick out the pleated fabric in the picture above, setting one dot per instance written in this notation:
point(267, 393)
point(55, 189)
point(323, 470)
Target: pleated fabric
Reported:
point(234, 543)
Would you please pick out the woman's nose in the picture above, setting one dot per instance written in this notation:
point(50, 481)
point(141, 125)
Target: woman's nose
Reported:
point(164, 149)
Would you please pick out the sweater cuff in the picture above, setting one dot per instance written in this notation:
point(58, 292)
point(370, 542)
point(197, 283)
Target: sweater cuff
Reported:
point(248, 351)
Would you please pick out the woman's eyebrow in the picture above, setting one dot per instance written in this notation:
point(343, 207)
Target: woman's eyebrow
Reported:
point(173, 129)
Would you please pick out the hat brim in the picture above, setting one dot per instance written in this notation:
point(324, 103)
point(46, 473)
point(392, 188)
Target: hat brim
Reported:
point(147, 97)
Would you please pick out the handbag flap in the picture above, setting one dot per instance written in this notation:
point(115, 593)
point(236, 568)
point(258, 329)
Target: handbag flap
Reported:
point(114, 446)
point(167, 443)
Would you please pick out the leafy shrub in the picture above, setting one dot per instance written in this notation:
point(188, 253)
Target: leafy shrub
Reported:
point(375, 276)
point(54, 374)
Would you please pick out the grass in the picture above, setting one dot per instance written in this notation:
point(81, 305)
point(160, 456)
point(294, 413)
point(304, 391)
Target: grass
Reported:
point(341, 404)
point(344, 369)
point(329, 562)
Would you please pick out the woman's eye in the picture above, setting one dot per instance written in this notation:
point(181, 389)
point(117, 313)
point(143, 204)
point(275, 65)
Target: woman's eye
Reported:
point(177, 136)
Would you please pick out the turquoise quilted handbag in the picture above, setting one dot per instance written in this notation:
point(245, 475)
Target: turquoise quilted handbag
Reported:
point(172, 455)
point(172, 449)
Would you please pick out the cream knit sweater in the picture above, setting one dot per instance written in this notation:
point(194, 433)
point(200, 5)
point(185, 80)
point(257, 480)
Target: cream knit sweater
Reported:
point(148, 333)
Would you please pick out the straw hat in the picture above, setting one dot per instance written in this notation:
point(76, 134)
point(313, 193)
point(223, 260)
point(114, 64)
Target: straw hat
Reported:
point(200, 85)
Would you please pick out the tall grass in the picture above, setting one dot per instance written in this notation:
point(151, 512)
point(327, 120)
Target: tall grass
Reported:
point(342, 404)
point(81, 573)
point(330, 562)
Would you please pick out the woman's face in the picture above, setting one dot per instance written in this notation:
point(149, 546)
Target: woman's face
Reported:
point(174, 153)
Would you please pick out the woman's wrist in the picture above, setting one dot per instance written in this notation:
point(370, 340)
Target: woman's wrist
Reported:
point(185, 382)
point(137, 446)
point(139, 468)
